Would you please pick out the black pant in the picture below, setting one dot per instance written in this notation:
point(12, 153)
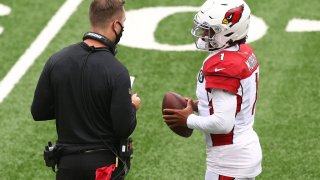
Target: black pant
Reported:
point(83, 166)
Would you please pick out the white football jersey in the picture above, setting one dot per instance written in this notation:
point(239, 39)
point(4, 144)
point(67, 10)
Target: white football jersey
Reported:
point(234, 70)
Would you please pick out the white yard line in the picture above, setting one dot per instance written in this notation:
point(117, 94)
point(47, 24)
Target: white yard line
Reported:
point(303, 25)
point(37, 47)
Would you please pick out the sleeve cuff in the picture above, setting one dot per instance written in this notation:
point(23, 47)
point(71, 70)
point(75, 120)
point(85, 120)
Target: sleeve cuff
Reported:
point(192, 118)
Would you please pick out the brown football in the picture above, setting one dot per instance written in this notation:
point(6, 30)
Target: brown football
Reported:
point(173, 100)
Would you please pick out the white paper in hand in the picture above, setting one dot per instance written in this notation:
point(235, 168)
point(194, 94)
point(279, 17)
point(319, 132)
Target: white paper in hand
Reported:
point(131, 80)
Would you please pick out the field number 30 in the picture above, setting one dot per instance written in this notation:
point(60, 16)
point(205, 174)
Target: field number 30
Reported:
point(142, 23)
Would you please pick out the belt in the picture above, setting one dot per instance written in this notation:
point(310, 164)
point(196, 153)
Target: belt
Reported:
point(93, 150)
point(66, 152)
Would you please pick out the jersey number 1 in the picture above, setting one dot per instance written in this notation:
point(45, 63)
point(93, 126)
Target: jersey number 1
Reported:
point(221, 56)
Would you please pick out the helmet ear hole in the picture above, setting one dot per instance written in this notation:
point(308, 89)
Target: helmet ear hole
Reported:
point(228, 35)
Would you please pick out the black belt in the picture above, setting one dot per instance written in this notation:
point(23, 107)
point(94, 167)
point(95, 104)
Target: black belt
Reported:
point(65, 152)
point(93, 150)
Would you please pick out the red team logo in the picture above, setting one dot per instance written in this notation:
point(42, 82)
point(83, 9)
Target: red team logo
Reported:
point(233, 16)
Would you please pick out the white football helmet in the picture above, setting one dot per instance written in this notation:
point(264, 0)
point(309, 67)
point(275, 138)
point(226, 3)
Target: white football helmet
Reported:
point(219, 23)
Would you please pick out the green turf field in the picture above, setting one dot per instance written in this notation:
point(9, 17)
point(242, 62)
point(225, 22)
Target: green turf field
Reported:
point(287, 116)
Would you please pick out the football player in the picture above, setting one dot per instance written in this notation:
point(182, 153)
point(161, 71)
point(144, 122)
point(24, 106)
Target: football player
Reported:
point(227, 89)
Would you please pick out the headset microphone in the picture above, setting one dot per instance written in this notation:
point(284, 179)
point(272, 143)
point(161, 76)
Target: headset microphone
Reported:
point(104, 40)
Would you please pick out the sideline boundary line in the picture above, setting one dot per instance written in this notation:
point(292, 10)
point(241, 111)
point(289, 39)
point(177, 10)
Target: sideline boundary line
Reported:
point(37, 47)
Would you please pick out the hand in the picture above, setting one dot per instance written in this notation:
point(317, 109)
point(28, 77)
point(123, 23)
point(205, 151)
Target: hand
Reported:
point(194, 104)
point(136, 101)
point(178, 117)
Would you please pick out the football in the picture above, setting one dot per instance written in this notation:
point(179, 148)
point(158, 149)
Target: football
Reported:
point(172, 100)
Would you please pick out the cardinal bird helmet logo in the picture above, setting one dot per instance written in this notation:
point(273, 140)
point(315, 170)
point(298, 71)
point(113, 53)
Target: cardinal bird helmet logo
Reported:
point(233, 16)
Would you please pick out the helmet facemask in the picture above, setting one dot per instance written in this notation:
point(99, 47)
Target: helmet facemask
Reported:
point(204, 36)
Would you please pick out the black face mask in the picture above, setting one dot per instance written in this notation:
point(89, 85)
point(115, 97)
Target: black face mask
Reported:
point(118, 36)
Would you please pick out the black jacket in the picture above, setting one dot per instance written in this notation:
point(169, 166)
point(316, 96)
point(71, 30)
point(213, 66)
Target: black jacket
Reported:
point(87, 90)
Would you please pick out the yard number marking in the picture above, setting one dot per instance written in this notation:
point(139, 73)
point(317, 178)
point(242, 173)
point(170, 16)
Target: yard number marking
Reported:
point(4, 11)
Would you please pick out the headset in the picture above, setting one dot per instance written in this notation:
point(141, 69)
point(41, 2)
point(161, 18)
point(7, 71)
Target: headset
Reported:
point(104, 40)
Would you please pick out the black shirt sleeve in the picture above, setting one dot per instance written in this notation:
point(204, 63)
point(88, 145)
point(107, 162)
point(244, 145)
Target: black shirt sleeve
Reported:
point(42, 107)
point(123, 112)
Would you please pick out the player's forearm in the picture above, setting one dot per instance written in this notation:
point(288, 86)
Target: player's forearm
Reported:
point(211, 124)
point(223, 119)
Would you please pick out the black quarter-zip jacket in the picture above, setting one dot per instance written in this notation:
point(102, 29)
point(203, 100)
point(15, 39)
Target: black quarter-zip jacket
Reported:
point(87, 90)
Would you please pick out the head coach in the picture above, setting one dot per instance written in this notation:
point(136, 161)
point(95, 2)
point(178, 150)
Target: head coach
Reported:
point(88, 92)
